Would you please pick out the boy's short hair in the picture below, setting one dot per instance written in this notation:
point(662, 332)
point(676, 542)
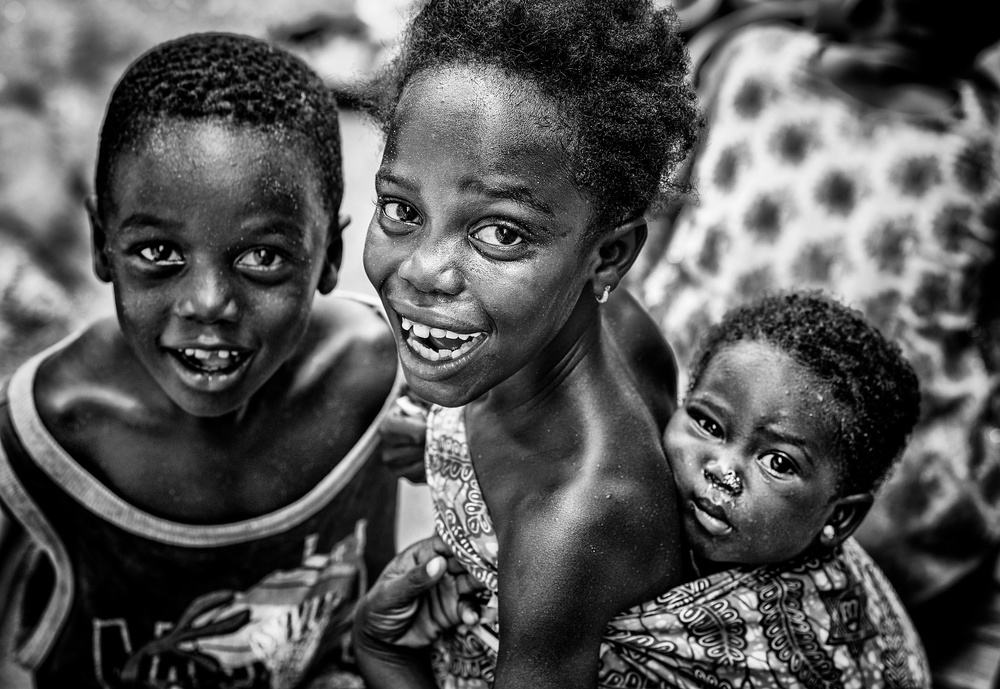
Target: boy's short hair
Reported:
point(228, 78)
point(875, 392)
point(616, 70)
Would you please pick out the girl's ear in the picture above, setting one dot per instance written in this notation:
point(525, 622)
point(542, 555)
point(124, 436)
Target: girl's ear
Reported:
point(845, 518)
point(98, 241)
point(616, 252)
point(334, 255)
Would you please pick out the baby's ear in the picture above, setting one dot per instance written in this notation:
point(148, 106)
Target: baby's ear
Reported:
point(334, 255)
point(98, 241)
point(845, 518)
point(616, 252)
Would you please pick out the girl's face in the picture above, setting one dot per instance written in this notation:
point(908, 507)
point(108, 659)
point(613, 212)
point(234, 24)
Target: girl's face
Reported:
point(216, 240)
point(753, 454)
point(477, 246)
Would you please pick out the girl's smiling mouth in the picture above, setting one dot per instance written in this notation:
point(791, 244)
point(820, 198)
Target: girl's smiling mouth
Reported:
point(438, 344)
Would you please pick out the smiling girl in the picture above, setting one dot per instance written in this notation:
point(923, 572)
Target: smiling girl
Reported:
point(524, 142)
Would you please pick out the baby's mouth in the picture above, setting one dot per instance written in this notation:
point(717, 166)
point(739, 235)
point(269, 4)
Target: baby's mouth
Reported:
point(210, 360)
point(437, 344)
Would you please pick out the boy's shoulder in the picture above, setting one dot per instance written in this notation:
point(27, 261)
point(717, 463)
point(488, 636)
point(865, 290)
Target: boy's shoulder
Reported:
point(348, 333)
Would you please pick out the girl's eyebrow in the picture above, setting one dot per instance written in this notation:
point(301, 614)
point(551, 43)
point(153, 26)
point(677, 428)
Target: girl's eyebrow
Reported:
point(512, 192)
point(775, 433)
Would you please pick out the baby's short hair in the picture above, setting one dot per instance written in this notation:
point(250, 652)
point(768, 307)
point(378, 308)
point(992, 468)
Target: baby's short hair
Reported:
point(616, 70)
point(228, 78)
point(876, 396)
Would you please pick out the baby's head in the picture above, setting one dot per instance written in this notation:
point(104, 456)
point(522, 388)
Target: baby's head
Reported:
point(218, 188)
point(796, 411)
point(522, 137)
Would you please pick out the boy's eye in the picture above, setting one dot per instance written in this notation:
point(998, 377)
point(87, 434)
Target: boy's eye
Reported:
point(497, 235)
point(778, 463)
point(161, 254)
point(400, 212)
point(261, 258)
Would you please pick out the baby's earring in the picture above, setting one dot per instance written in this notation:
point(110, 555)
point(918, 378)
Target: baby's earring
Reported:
point(829, 533)
point(604, 295)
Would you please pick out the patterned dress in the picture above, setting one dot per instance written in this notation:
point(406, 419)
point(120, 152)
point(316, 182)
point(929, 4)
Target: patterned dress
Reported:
point(799, 186)
point(818, 622)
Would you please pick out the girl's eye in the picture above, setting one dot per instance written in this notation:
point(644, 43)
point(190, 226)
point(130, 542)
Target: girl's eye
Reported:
point(497, 235)
point(778, 463)
point(161, 254)
point(710, 426)
point(399, 212)
point(261, 258)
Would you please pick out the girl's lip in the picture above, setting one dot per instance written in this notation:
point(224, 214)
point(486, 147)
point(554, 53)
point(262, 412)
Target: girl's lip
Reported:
point(711, 517)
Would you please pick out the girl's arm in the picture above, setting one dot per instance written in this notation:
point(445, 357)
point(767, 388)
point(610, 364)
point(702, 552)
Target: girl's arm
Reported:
point(571, 565)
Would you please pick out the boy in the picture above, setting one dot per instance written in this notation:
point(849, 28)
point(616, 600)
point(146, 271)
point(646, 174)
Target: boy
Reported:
point(194, 479)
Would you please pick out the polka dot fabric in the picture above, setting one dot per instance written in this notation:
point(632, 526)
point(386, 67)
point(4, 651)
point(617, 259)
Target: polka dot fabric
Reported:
point(801, 186)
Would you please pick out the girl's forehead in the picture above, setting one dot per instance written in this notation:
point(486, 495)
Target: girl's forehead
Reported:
point(482, 99)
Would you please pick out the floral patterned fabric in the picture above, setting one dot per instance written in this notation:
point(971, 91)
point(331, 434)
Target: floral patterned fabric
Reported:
point(831, 622)
point(799, 186)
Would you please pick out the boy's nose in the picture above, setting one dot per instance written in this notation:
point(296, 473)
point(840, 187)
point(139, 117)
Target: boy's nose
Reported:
point(432, 268)
point(207, 299)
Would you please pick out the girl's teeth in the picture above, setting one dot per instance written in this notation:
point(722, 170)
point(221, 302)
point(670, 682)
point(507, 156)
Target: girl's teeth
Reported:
point(437, 332)
point(407, 324)
point(421, 331)
point(223, 354)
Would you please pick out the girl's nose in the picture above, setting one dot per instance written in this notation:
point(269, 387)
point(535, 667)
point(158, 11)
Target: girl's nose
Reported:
point(432, 266)
point(207, 298)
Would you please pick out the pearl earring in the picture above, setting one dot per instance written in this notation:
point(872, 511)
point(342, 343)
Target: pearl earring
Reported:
point(829, 532)
point(604, 295)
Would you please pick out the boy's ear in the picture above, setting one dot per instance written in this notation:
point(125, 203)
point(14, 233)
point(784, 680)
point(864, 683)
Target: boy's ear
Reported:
point(616, 252)
point(845, 518)
point(334, 255)
point(98, 241)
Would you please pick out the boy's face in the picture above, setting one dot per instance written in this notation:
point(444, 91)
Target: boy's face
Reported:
point(753, 454)
point(477, 244)
point(216, 239)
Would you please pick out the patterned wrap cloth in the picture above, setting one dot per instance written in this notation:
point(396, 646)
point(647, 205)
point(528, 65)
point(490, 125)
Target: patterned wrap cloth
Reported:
point(818, 623)
point(799, 186)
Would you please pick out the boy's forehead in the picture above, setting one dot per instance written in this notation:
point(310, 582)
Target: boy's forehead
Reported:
point(183, 167)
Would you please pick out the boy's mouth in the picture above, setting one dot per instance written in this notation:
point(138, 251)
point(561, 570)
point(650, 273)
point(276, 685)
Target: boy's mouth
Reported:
point(711, 517)
point(438, 344)
point(210, 361)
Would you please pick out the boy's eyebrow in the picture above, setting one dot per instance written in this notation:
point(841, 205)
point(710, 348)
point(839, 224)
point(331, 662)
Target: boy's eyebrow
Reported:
point(147, 220)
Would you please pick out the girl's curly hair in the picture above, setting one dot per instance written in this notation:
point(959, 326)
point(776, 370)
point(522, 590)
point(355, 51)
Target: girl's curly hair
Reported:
point(616, 71)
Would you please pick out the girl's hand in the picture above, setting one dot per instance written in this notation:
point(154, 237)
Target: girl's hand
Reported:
point(422, 592)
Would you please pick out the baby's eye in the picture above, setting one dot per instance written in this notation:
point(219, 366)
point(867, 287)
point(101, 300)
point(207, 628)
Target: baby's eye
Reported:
point(778, 463)
point(261, 258)
point(161, 254)
point(710, 426)
point(497, 235)
point(400, 212)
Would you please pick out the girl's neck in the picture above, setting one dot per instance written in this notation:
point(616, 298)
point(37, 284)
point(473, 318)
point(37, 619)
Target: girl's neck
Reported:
point(541, 380)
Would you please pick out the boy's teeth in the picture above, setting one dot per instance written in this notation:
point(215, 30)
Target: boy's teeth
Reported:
point(421, 330)
point(425, 331)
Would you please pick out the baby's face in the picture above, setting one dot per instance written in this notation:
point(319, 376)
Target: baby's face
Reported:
point(215, 239)
point(752, 450)
point(477, 244)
